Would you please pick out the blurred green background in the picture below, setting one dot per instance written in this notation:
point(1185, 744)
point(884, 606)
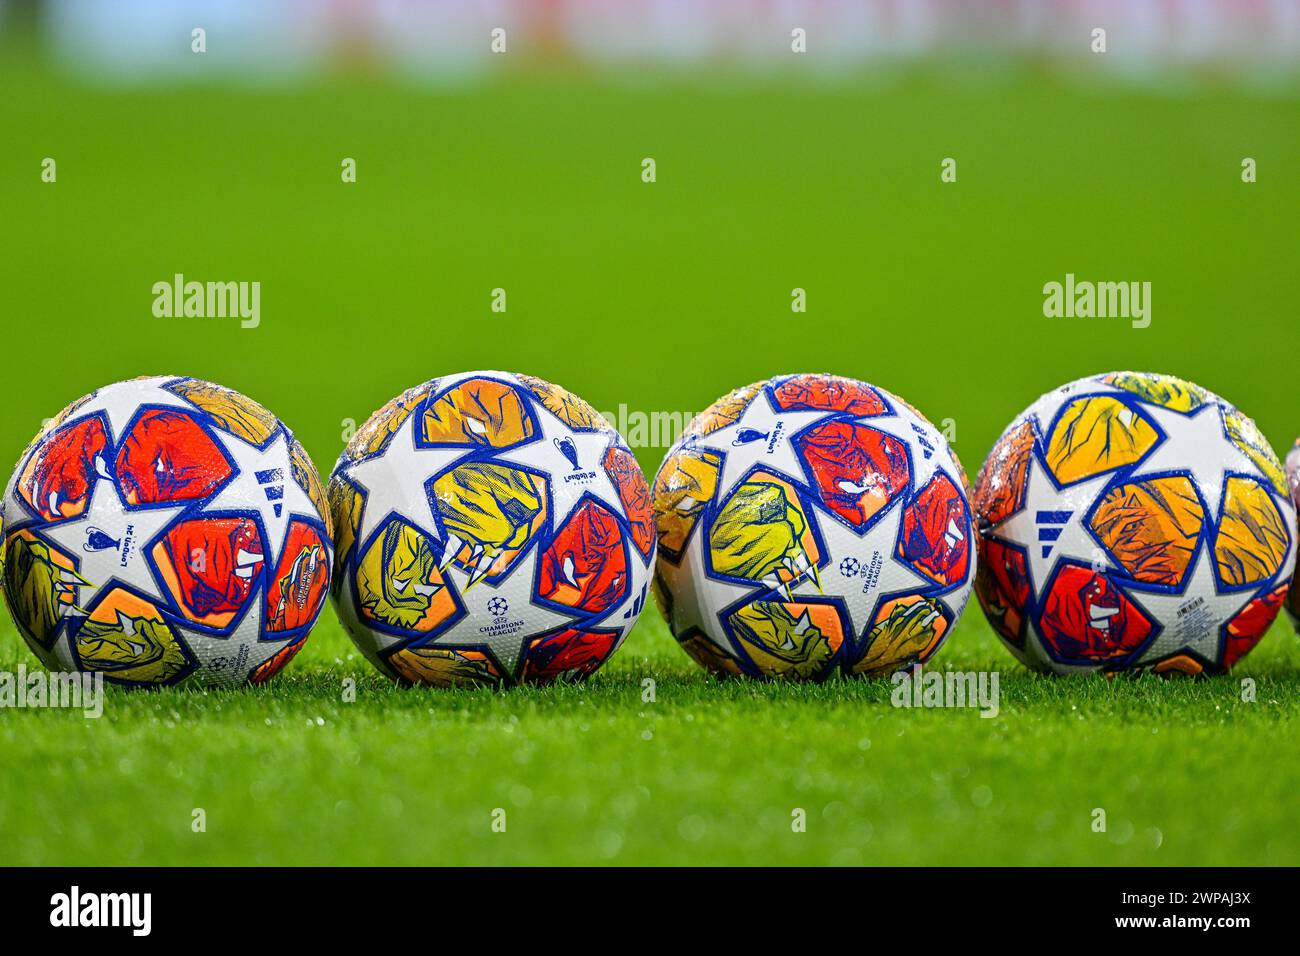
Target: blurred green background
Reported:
point(661, 296)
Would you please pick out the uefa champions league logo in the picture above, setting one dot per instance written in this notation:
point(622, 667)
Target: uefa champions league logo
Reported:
point(230, 661)
point(569, 450)
point(499, 624)
point(97, 540)
point(747, 436)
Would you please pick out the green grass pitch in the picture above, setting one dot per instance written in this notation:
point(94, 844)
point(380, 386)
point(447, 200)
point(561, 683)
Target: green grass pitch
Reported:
point(708, 773)
point(661, 297)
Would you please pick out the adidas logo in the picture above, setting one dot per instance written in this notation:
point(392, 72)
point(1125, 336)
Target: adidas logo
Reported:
point(1050, 526)
point(272, 482)
point(927, 447)
point(637, 605)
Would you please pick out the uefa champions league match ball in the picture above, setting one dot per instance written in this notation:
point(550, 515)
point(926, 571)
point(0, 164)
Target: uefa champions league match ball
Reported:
point(809, 525)
point(1133, 521)
point(162, 530)
point(492, 529)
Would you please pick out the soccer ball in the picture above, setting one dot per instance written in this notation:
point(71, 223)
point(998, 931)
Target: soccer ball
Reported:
point(809, 524)
point(1293, 478)
point(1133, 521)
point(166, 529)
point(492, 529)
